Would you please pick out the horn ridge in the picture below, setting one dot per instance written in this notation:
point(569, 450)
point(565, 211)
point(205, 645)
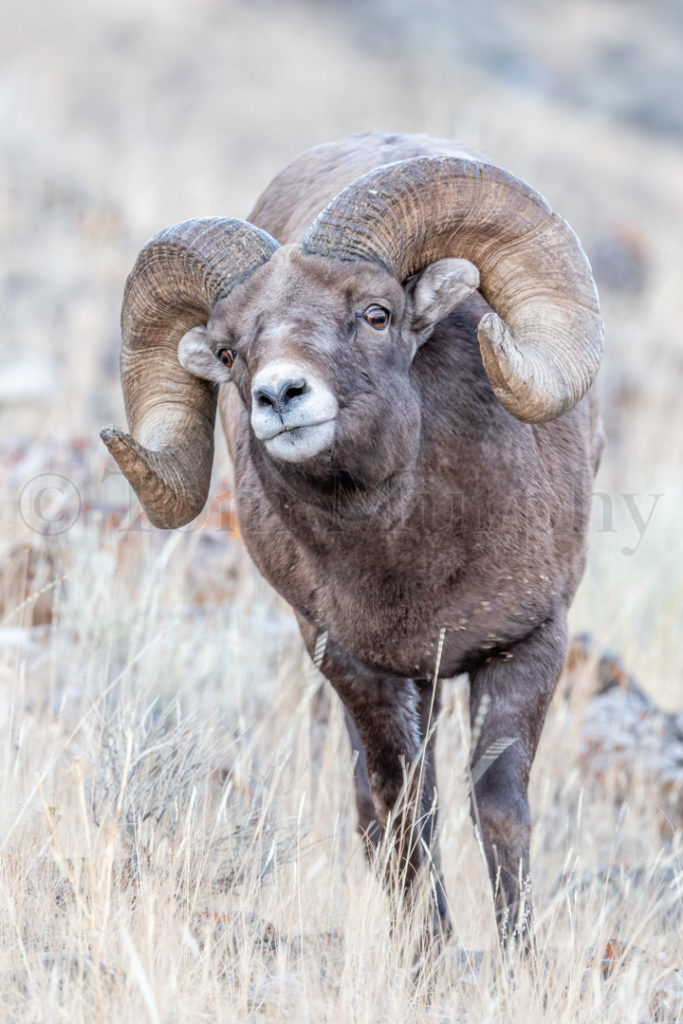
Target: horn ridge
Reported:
point(179, 275)
point(534, 273)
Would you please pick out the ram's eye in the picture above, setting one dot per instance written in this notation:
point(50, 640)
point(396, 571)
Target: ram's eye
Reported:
point(226, 356)
point(377, 316)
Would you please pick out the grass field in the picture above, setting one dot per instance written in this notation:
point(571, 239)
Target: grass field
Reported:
point(176, 804)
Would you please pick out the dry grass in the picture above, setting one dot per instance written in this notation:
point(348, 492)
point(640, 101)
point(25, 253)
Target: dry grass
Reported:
point(177, 825)
point(176, 808)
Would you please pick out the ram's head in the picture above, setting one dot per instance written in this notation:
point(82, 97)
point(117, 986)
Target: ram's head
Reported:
point(319, 337)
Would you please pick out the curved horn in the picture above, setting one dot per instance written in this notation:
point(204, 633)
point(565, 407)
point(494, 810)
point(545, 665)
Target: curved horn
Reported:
point(178, 277)
point(542, 345)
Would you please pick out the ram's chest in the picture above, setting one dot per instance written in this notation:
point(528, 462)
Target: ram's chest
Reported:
point(398, 619)
point(379, 615)
point(390, 623)
point(397, 602)
point(409, 629)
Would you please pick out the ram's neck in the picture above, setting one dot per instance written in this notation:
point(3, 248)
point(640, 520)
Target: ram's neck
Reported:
point(338, 502)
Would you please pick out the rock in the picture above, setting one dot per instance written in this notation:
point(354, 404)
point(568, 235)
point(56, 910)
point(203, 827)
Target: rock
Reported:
point(629, 746)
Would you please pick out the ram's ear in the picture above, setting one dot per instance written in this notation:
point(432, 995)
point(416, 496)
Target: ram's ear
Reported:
point(196, 354)
point(438, 289)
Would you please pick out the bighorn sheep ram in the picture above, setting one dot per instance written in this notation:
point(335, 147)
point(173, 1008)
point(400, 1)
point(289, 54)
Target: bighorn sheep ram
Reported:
point(406, 336)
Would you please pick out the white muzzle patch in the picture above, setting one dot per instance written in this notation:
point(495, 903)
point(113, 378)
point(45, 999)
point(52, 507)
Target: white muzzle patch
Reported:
point(293, 412)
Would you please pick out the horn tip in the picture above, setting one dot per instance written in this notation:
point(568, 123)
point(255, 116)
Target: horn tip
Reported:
point(115, 439)
point(109, 433)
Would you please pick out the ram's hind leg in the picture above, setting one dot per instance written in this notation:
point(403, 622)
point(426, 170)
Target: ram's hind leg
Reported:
point(509, 698)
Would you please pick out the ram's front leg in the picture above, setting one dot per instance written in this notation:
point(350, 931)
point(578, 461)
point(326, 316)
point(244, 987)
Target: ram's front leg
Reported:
point(390, 723)
point(509, 698)
point(394, 767)
point(368, 823)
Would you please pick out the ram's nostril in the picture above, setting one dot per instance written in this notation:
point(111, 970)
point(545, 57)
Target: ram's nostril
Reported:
point(278, 396)
point(293, 390)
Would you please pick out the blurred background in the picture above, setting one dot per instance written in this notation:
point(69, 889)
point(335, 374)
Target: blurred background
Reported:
point(118, 119)
point(167, 748)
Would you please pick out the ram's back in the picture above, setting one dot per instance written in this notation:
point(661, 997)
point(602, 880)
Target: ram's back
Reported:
point(294, 198)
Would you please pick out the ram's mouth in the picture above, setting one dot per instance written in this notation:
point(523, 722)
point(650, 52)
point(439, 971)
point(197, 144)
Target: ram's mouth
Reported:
point(295, 429)
point(302, 441)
